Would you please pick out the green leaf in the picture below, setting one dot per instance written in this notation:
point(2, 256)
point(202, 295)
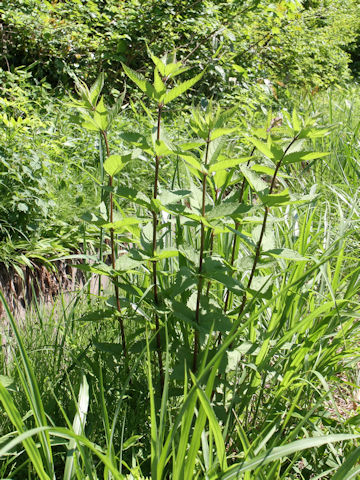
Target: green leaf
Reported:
point(115, 109)
point(285, 253)
point(223, 164)
point(165, 254)
point(284, 451)
point(130, 442)
point(158, 63)
point(192, 161)
point(296, 123)
point(7, 382)
point(263, 148)
point(219, 132)
point(134, 196)
point(303, 156)
point(180, 89)
point(120, 224)
point(78, 427)
point(101, 115)
point(227, 209)
point(263, 169)
point(161, 148)
point(90, 124)
point(346, 472)
point(255, 181)
point(113, 165)
point(140, 81)
point(275, 199)
point(96, 88)
point(97, 315)
point(159, 86)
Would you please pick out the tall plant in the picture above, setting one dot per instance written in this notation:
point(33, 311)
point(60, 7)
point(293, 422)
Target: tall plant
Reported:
point(96, 116)
point(166, 69)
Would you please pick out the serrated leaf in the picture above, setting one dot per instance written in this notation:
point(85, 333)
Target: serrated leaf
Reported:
point(140, 81)
point(263, 169)
point(219, 132)
point(162, 254)
point(227, 209)
point(190, 145)
point(118, 225)
point(161, 148)
point(101, 115)
point(263, 148)
point(261, 287)
point(124, 263)
point(96, 88)
point(275, 199)
point(91, 125)
point(230, 163)
point(255, 181)
point(115, 109)
point(96, 316)
point(134, 196)
point(180, 89)
point(214, 150)
point(303, 156)
point(158, 63)
point(159, 86)
point(268, 239)
point(191, 160)
point(113, 165)
point(296, 123)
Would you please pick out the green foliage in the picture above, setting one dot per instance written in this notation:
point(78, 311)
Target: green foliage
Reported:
point(230, 242)
point(230, 269)
point(254, 47)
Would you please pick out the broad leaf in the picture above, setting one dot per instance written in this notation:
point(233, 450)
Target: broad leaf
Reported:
point(113, 165)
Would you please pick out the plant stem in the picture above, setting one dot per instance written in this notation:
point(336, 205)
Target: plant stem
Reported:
point(154, 263)
point(235, 239)
point(112, 242)
point(201, 256)
point(263, 227)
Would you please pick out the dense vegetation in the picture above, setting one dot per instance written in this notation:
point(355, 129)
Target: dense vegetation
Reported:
point(212, 193)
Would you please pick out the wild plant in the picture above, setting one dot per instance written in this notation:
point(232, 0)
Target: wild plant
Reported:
point(231, 279)
point(97, 117)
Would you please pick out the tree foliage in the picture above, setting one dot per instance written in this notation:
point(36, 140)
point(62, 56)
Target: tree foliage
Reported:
point(245, 44)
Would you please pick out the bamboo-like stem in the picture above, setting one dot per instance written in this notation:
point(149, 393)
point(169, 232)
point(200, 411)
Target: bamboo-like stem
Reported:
point(154, 263)
point(112, 243)
point(263, 227)
point(201, 258)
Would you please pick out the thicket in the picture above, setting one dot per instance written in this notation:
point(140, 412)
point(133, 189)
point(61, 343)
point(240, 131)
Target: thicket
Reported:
point(278, 44)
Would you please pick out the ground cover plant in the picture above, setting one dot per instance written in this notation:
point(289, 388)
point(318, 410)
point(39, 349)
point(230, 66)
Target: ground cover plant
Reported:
point(229, 330)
